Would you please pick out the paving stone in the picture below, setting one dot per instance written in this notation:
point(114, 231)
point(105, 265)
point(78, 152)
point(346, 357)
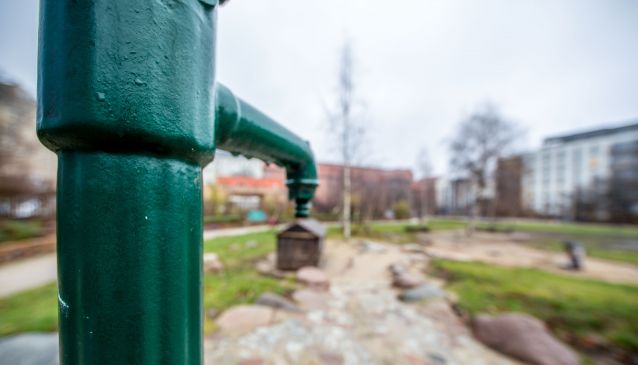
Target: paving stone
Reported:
point(30, 349)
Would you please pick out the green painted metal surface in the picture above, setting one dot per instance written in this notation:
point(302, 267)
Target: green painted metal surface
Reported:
point(127, 99)
point(129, 259)
point(242, 129)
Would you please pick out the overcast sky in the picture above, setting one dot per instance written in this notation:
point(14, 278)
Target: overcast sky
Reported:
point(553, 66)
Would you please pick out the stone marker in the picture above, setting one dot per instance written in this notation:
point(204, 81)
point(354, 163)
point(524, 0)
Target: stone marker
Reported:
point(576, 255)
point(523, 337)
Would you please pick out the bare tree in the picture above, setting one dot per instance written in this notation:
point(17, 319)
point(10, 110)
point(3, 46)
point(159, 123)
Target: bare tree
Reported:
point(423, 163)
point(480, 140)
point(346, 129)
point(424, 169)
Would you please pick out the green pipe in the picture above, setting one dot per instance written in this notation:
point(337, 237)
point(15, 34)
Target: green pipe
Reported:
point(242, 129)
point(127, 99)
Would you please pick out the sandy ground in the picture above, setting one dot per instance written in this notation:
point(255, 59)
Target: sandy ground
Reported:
point(502, 249)
point(26, 274)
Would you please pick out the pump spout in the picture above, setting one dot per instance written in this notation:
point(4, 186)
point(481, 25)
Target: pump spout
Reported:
point(242, 129)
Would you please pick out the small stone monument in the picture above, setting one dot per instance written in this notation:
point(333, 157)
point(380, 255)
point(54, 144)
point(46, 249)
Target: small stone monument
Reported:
point(300, 244)
point(576, 255)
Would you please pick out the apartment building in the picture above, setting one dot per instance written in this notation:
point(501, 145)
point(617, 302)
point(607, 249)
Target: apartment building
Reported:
point(568, 165)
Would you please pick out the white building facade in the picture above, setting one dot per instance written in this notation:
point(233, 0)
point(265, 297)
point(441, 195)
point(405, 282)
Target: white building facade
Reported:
point(567, 164)
point(226, 164)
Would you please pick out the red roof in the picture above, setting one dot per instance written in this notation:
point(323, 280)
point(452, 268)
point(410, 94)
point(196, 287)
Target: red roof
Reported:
point(250, 182)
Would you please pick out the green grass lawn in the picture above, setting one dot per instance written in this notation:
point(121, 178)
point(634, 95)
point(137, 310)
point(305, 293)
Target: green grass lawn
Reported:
point(14, 230)
point(395, 231)
point(572, 307)
point(36, 309)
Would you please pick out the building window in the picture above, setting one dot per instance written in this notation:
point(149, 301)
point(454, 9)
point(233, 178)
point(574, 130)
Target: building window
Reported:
point(560, 167)
point(577, 165)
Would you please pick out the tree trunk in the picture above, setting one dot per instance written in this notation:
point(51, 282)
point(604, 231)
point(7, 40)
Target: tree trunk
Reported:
point(347, 197)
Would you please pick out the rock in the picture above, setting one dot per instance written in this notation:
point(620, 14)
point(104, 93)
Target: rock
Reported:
point(212, 263)
point(421, 292)
point(370, 247)
point(252, 361)
point(277, 301)
point(30, 349)
point(412, 248)
point(212, 313)
point(424, 239)
point(406, 280)
point(268, 267)
point(244, 318)
point(523, 337)
point(437, 359)
point(313, 278)
point(263, 267)
point(311, 300)
point(397, 269)
point(331, 358)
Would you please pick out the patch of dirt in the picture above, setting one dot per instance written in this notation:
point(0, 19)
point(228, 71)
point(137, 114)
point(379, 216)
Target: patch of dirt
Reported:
point(501, 249)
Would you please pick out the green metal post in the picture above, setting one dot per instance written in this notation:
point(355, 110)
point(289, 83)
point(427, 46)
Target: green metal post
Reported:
point(127, 99)
point(126, 94)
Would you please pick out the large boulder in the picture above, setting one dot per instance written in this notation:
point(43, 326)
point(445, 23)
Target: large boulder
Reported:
point(313, 277)
point(406, 280)
point(523, 337)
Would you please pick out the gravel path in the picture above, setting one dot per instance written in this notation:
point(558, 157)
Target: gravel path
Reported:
point(359, 321)
point(27, 274)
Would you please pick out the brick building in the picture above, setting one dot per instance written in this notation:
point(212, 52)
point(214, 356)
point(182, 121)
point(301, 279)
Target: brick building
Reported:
point(509, 187)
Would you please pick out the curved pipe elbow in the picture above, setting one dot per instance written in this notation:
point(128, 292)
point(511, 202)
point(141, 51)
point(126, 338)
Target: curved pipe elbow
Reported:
point(242, 129)
point(302, 183)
